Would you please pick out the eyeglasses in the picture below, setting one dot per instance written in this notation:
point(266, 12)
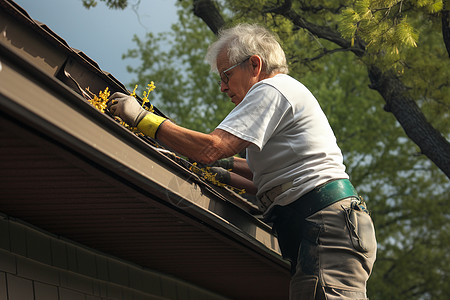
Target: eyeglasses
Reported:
point(223, 75)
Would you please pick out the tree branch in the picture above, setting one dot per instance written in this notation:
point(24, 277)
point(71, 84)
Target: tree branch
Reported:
point(282, 9)
point(326, 52)
point(408, 114)
point(446, 28)
point(208, 12)
point(326, 33)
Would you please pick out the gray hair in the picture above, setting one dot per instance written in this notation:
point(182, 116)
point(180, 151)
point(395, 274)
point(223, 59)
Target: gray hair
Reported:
point(245, 40)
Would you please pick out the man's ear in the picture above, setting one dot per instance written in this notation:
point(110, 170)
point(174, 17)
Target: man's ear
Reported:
point(256, 64)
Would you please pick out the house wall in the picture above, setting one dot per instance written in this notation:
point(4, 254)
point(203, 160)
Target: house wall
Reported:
point(36, 265)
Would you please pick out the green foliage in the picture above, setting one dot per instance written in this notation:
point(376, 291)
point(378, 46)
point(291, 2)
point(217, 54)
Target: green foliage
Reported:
point(387, 27)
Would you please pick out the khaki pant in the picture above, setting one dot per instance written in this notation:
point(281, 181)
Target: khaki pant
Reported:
point(335, 250)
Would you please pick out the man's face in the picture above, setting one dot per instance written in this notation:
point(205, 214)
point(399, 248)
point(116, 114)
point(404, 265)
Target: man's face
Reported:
point(240, 78)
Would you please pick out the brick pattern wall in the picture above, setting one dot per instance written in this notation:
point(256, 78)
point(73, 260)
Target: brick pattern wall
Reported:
point(35, 265)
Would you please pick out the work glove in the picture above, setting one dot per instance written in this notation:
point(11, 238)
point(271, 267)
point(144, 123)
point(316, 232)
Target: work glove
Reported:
point(226, 163)
point(222, 175)
point(131, 112)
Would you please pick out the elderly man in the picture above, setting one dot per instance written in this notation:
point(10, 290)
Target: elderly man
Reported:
point(293, 161)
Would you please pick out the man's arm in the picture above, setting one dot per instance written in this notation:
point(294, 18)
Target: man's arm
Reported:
point(208, 148)
point(241, 167)
point(242, 183)
point(204, 148)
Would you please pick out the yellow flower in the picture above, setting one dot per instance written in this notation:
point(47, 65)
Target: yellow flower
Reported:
point(134, 91)
point(100, 101)
point(150, 87)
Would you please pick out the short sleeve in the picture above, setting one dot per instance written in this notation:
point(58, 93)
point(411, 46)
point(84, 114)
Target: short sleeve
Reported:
point(258, 116)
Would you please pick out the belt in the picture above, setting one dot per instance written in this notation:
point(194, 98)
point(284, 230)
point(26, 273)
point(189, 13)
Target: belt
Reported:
point(323, 196)
point(317, 199)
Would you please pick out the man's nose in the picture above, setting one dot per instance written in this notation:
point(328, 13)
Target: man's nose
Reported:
point(223, 87)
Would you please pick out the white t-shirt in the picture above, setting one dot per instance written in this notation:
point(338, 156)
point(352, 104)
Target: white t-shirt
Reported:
point(291, 138)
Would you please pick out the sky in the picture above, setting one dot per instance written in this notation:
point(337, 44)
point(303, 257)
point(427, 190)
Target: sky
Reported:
point(103, 34)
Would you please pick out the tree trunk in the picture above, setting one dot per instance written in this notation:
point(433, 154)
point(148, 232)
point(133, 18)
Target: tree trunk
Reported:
point(408, 114)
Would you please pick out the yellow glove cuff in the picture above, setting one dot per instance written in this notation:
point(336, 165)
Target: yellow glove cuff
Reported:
point(150, 123)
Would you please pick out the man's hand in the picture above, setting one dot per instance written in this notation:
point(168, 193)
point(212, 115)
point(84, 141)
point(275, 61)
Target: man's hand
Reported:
point(234, 180)
point(222, 175)
point(130, 111)
point(127, 108)
point(226, 163)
